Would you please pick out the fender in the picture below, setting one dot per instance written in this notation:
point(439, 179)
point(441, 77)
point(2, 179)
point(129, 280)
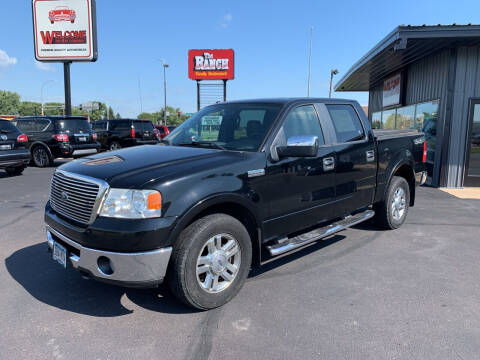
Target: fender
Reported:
point(392, 169)
point(210, 201)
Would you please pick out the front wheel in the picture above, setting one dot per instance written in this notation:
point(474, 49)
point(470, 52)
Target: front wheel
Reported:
point(392, 211)
point(210, 261)
point(115, 145)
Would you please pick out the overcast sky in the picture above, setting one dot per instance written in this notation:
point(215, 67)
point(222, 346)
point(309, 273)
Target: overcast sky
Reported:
point(270, 39)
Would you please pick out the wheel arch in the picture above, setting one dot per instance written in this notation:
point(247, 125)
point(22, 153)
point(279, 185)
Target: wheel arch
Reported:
point(404, 169)
point(40, 143)
point(233, 205)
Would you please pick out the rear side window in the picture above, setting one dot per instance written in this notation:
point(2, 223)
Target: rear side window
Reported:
point(99, 125)
point(302, 121)
point(26, 125)
point(346, 123)
point(7, 127)
point(120, 125)
point(42, 124)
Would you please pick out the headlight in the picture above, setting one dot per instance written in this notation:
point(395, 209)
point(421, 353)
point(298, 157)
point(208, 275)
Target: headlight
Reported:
point(132, 204)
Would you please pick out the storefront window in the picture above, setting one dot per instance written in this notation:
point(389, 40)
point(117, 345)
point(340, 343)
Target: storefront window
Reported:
point(426, 120)
point(388, 118)
point(377, 120)
point(405, 117)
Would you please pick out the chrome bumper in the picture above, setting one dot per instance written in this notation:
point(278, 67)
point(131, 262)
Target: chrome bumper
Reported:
point(128, 269)
point(421, 177)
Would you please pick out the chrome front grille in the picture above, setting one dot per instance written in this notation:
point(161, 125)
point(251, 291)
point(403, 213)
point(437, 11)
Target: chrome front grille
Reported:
point(75, 196)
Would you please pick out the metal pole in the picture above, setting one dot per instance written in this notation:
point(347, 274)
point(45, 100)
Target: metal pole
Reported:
point(224, 90)
point(198, 95)
point(331, 81)
point(309, 61)
point(68, 93)
point(165, 94)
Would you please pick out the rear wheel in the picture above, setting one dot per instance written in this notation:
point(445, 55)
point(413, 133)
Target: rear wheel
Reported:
point(210, 261)
point(115, 145)
point(15, 171)
point(392, 211)
point(41, 157)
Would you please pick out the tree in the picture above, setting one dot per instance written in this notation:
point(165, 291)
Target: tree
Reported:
point(173, 117)
point(111, 114)
point(29, 108)
point(118, 116)
point(9, 103)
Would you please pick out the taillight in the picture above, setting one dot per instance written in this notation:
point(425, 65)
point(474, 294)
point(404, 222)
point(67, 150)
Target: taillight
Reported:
point(157, 133)
point(61, 137)
point(22, 138)
point(424, 157)
point(132, 132)
point(94, 136)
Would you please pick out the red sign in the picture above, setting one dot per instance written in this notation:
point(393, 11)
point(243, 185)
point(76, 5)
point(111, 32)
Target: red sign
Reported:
point(211, 64)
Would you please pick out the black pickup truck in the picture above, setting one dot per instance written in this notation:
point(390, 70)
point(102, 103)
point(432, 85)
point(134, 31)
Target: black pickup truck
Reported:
point(235, 185)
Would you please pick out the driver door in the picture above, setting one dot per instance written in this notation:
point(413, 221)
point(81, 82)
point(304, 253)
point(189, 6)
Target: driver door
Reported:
point(301, 189)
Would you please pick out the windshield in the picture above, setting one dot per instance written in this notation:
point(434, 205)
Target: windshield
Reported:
point(234, 126)
point(74, 125)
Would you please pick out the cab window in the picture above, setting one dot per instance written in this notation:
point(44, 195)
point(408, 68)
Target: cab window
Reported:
point(301, 121)
point(346, 123)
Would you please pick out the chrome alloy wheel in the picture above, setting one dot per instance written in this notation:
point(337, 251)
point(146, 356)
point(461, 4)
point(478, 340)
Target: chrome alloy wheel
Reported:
point(218, 263)
point(398, 204)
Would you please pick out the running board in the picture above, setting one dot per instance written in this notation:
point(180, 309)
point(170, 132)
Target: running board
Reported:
point(286, 245)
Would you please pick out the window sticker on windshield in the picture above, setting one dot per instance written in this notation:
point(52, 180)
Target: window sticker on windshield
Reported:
point(211, 120)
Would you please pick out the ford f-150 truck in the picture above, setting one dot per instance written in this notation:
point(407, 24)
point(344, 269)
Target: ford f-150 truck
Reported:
point(235, 185)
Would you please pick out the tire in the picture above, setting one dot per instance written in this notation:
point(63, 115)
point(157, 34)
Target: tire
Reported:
point(15, 171)
point(199, 242)
point(391, 213)
point(115, 145)
point(40, 157)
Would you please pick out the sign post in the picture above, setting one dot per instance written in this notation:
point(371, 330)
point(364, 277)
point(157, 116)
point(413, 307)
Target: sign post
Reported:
point(65, 31)
point(211, 64)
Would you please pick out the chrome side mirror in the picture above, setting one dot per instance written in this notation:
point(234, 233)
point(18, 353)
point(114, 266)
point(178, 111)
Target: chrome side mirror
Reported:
point(299, 146)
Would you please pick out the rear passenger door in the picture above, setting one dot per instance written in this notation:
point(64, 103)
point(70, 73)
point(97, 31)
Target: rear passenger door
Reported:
point(355, 159)
point(301, 190)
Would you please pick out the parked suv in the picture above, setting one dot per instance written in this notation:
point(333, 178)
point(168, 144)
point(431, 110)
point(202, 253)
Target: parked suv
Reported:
point(14, 154)
point(50, 137)
point(120, 133)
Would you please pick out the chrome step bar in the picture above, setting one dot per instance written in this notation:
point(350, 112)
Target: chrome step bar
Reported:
point(286, 245)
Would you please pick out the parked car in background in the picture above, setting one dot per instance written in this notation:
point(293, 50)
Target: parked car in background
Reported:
point(51, 137)
point(14, 153)
point(163, 130)
point(120, 133)
point(171, 128)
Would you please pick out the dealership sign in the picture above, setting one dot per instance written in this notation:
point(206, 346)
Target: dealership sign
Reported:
point(211, 64)
point(391, 90)
point(64, 30)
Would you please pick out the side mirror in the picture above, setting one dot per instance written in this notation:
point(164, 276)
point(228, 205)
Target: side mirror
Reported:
point(299, 146)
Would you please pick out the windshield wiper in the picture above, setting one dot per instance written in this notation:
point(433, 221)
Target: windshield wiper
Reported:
point(202, 143)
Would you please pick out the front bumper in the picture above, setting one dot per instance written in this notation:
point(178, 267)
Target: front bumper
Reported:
point(132, 269)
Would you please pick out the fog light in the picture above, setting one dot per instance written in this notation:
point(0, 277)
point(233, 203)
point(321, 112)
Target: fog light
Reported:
point(105, 266)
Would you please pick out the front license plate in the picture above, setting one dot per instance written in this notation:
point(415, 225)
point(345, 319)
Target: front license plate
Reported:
point(5, 147)
point(82, 139)
point(60, 254)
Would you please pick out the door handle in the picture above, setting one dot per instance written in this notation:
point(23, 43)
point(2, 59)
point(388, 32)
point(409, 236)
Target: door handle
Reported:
point(328, 163)
point(370, 155)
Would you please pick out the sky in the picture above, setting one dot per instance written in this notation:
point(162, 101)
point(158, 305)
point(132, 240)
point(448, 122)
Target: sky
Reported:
point(270, 40)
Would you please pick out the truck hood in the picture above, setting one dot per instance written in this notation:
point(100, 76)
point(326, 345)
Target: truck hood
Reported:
point(134, 166)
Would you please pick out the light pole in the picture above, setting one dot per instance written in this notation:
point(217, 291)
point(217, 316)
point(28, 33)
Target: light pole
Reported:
point(309, 61)
point(332, 73)
point(165, 65)
point(41, 93)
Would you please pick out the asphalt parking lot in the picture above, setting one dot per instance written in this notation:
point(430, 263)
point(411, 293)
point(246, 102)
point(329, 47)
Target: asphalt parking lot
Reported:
point(412, 293)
